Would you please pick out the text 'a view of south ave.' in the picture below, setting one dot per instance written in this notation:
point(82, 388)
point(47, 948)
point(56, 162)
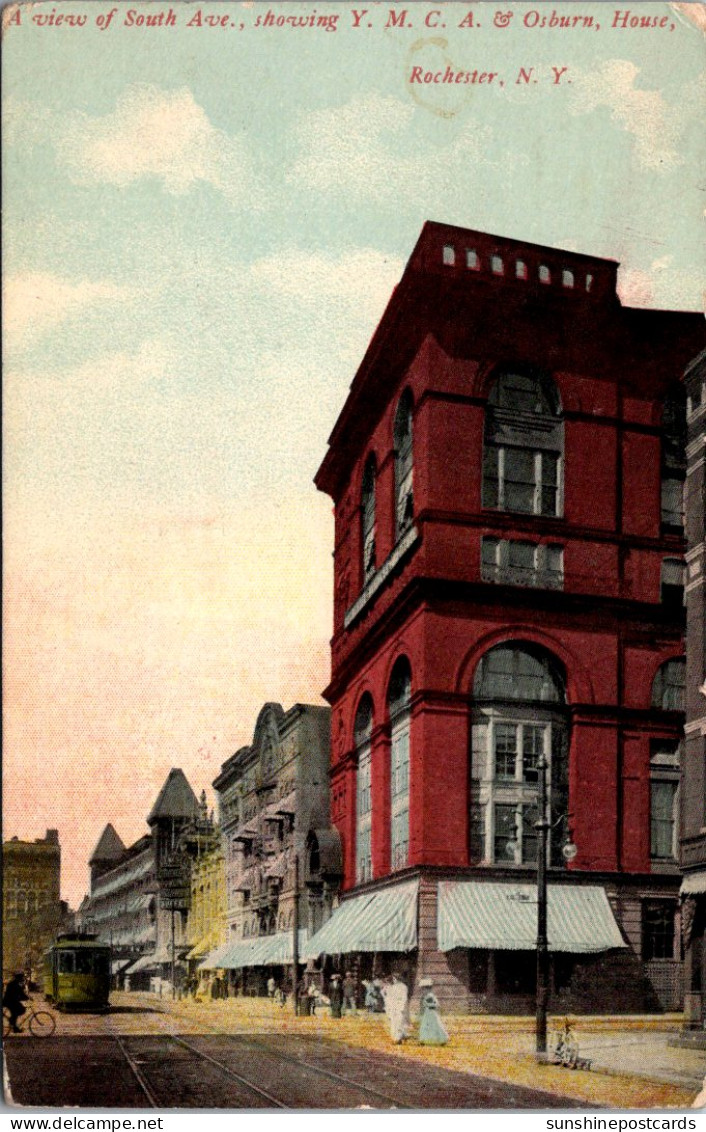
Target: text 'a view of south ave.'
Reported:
point(517, 661)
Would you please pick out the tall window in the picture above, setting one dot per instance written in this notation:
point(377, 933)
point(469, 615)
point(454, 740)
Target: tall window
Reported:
point(672, 583)
point(363, 794)
point(664, 800)
point(669, 685)
point(368, 519)
point(524, 440)
point(519, 724)
point(404, 510)
point(658, 929)
point(673, 458)
point(399, 697)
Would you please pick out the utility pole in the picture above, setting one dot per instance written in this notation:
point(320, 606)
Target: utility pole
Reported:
point(295, 935)
point(542, 947)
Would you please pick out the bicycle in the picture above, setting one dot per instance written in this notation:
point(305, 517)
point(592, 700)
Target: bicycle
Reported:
point(566, 1050)
point(41, 1023)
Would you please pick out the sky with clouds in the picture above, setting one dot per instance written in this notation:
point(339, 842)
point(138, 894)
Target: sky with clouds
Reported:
point(201, 230)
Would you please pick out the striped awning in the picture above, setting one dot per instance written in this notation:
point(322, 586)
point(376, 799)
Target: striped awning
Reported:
point(385, 920)
point(213, 959)
point(145, 963)
point(503, 917)
point(262, 951)
point(201, 948)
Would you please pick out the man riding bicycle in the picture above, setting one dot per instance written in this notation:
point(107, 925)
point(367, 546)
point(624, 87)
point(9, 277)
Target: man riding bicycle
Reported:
point(13, 998)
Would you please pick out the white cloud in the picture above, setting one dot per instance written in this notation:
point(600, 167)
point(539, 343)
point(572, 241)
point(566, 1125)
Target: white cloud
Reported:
point(642, 113)
point(35, 302)
point(364, 277)
point(154, 133)
point(368, 148)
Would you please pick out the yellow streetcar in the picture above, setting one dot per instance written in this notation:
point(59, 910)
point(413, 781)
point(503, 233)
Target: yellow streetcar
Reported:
point(77, 973)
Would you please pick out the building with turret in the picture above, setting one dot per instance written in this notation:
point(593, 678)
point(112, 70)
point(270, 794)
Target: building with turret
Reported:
point(140, 894)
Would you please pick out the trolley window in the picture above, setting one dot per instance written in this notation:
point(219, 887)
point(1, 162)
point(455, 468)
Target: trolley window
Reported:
point(84, 963)
point(101, 964)
point(65, 962)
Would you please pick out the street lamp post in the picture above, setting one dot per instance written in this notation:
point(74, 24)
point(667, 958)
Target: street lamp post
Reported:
point(542, 827)
point(295, 936)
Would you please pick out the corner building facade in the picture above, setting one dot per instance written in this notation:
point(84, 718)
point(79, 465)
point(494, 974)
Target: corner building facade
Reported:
point(507, 476)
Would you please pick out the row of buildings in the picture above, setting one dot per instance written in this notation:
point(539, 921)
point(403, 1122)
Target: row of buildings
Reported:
point(511, 571)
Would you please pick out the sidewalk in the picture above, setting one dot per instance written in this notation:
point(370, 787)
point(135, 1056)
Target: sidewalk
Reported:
point(633, 1067)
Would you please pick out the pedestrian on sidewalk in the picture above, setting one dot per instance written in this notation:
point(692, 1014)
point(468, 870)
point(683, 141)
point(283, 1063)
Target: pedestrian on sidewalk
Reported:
point(431, 1028)
point(396, 998)
point(349, 993)
point(335, 992)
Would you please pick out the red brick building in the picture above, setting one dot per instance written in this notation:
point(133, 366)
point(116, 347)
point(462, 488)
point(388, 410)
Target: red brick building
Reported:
point(507, 477)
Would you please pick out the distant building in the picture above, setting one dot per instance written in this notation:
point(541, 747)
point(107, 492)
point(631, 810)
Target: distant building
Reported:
point(507, 475)
point(31, 904)
point(140, 895)
point(206, 922)
point(122, 905)
point(693, 784)
point(274, 812)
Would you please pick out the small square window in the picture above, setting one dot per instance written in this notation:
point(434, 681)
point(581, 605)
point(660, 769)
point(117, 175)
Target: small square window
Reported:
point(449, 255)
point(545, 275)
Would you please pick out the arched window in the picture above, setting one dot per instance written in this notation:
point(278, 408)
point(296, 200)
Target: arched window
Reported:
point(398, 704)
point(363, 793)
point(673, 458)
point(404, 508)
point(368, 519)
point(524, 444)
point(669, 684)
point(519, 727)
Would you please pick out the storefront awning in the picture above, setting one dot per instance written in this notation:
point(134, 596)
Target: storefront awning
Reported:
point(693, 884)
point(201, 948)
point(146, 963)
point(213, 959)
point(378, 921)
point(503, 917)
point(262, 951)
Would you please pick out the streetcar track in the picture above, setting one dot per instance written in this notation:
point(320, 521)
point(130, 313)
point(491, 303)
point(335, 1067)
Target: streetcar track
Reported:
point(141, 1080)
point(231, 1073)
point(167, 1025)
point(350, 1081)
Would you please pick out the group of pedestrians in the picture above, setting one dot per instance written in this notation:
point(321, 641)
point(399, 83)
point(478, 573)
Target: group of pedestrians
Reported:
point(390, 996)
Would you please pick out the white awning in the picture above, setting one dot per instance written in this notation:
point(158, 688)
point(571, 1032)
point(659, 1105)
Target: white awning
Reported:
point(693, 884)
point(261, 951)
point(146, 963)
point(503, 917)
point(385, 920)
point(213, 959)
